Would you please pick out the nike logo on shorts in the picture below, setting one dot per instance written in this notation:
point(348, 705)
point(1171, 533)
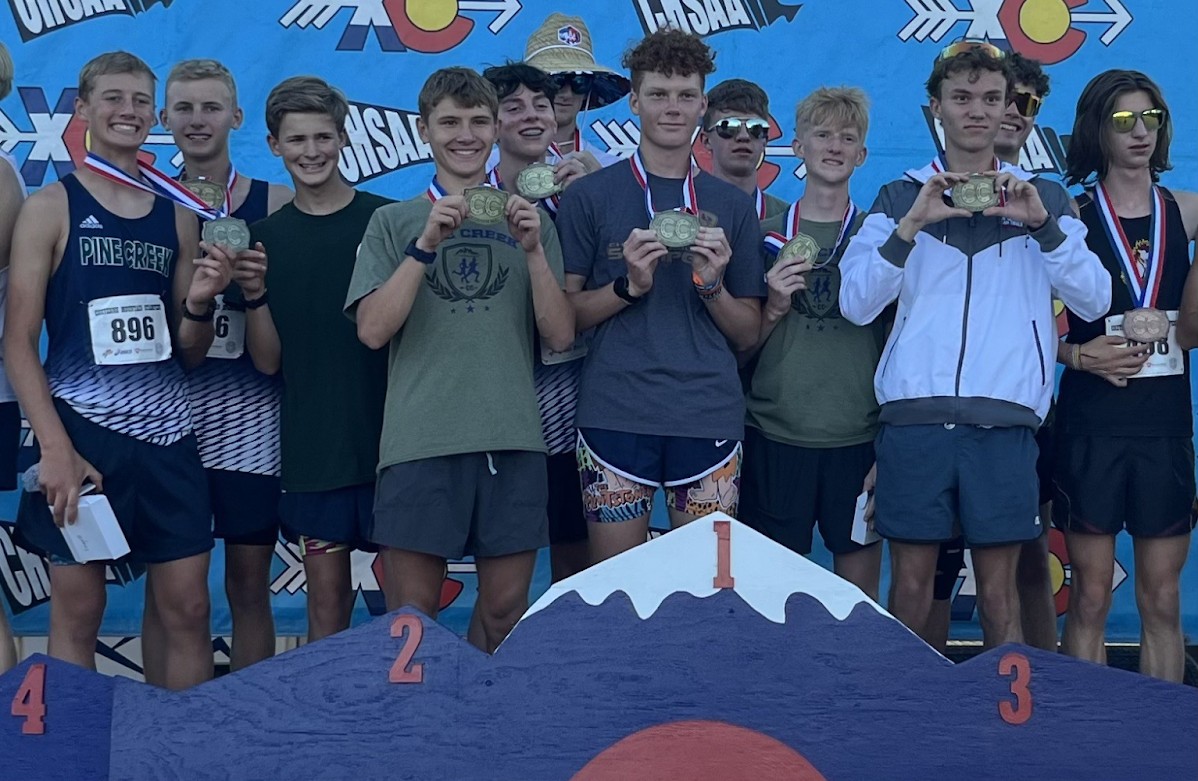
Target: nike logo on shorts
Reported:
point(721, 442)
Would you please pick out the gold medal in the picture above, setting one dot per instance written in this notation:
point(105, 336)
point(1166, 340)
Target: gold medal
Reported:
point(1146, 325)
point(485, 204)
point(801, 246)
point(206, 190)
point(536, 182)
point(229, 232)
point(675, 229)
point(977, 194)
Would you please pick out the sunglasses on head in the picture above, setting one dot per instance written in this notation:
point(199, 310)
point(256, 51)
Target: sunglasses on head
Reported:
point(729, 127)
point(964, 47)
point(1125, 121)
point(579, 83)
point(1026, 103)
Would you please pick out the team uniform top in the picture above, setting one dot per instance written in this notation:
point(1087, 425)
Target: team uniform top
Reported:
point(120, 269)
point(6, 392)
point(235, 406)
point(661, 367)
point(1148, 406)
point(461, 378)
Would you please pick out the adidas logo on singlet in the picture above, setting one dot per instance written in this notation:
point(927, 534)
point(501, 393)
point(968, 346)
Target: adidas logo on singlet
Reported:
point(92, 223)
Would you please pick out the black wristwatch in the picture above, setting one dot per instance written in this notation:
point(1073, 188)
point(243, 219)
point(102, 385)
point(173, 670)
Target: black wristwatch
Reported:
point(256, 303)
point(619, 286)
point(204, 318)
point(412, 251)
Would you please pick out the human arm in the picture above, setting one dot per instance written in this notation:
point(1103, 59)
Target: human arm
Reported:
point(738, 318)
point(784, 280)
point(1187, 319)
point(39, 236)
point(196, 283)
point(386, 279)
point(552, 310)
point(261, 336)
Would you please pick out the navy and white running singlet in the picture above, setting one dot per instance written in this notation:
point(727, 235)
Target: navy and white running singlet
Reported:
point(109, 353)
point(235, 406)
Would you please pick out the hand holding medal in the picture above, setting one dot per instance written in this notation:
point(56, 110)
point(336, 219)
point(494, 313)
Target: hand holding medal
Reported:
point(523, 222)
point(447, 214)
point(1014, 199)
point(228, 232)
point(709, 255)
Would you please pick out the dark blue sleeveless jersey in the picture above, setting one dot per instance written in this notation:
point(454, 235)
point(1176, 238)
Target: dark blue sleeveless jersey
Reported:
point(105, 256)
point(236, 407)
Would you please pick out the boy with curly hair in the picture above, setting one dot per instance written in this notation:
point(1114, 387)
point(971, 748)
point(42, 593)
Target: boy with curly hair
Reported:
point(660, 403)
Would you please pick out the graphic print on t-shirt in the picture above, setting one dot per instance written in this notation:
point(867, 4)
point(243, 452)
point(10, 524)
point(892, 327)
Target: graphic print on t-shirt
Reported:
point(820, 300)
point(467, 273)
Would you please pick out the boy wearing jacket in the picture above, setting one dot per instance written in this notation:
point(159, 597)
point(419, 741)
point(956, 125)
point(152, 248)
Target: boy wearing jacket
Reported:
point(966, 376)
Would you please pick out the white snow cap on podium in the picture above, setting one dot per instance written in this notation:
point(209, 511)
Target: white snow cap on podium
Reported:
point(686, 559)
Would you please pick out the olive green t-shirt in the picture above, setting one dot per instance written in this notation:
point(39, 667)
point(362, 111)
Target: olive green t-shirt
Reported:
point(460, 377)
point(774, 206)
point(331, 412)
point(814, 381)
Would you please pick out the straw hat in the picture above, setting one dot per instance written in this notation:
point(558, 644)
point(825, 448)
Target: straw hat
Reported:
point(562, 44)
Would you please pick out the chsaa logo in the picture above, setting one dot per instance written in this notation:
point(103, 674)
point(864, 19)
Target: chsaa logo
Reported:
point(36, 18)
point(708, 17)
point(57, 137)
point(428, 26)
point(1044, 30)
point(381, 140)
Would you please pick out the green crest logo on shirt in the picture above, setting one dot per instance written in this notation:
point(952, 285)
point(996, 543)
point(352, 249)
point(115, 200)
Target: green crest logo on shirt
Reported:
point(467, 273)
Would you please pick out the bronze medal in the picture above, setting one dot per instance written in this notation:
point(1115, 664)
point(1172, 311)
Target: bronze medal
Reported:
point(208, 191)
point(801, 246)
point(536, 183)
point(977, 194)
point(229, 232)
point(485, 204)
point(675, 229)
point(1146, 325)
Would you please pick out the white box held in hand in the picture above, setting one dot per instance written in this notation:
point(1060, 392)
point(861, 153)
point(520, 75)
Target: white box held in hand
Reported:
point(95, 535)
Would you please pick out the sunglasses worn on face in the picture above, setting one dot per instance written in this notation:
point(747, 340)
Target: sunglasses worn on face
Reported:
point(1026, 103)
point(1125, 121)
point(964, 47)
point(579, 83)
point(729, 127)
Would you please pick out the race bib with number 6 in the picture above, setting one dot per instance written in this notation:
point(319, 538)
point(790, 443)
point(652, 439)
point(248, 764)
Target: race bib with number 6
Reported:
point(128, 329)
point(228, 325)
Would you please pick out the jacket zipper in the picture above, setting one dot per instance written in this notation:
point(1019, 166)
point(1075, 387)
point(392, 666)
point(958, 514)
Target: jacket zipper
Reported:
point(965, 311)
point(894, 335)
point(1039, 351)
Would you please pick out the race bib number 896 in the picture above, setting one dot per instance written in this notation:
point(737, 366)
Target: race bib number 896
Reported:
point(128, 329)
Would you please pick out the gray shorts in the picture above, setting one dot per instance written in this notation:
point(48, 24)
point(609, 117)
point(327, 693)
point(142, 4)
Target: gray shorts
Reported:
point(469, 504)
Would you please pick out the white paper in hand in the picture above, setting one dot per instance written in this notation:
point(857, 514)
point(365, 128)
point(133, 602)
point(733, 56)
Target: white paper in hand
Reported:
point(862, 533)
point(95, 535)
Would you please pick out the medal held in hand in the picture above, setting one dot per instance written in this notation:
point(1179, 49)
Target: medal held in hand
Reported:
point(1146, 325)
point(675, 229)
point(536, 183)
point(977, 194)
point(485, 204)
point(801, 246)
point(229, 232)
point(208, 191)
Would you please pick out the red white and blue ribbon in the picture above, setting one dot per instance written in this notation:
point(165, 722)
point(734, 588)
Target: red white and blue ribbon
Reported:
point(435, 191)
point(227, 206)
point(774, 241)
point(1143, 286)
point(689, 199)
point(152, 181)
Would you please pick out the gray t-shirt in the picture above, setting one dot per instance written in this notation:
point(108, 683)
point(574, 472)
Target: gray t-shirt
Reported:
point(662, 366)
point(460, 377)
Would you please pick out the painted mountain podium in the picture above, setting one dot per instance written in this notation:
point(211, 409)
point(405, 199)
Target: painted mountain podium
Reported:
point(709, 653)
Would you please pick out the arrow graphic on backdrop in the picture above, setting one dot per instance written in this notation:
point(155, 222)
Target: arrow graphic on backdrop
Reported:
point(507, 11)
point(1048, 37)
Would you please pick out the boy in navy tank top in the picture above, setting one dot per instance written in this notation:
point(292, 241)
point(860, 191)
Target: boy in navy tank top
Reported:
point(234, 407)
point(107, 264)
point(1125, 450)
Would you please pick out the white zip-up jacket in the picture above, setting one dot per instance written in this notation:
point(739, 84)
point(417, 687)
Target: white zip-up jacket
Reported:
point(974, 338)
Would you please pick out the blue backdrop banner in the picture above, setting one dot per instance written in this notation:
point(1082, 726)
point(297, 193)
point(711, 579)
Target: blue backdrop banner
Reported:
point(380, 51)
